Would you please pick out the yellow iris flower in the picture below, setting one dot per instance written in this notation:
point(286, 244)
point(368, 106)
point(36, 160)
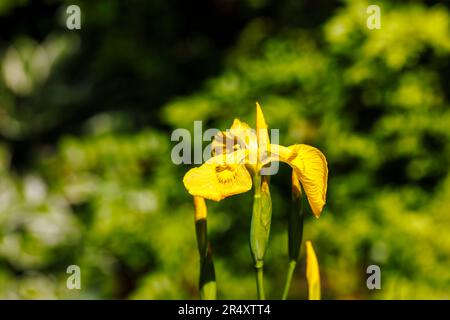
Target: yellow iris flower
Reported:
point(239, 153)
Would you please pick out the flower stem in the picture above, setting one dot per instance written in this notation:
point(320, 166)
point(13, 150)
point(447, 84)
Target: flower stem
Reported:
point(260, 283)
point(290, 273)
point(207, 278)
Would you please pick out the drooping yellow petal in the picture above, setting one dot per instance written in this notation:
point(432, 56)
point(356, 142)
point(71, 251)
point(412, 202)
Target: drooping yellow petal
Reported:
point(219, 177)
point(312, 273)
point(261, 130)
point(310, 166)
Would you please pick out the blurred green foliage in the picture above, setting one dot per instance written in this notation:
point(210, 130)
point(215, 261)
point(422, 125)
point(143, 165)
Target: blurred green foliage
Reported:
point(85, 123)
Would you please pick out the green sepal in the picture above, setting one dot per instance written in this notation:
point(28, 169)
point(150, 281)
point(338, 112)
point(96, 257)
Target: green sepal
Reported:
point(261, 219)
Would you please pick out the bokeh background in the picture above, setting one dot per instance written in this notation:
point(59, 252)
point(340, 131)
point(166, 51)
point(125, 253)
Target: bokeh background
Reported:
point(86, 115)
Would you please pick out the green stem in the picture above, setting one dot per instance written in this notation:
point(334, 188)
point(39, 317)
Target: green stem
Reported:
point(207, 277)
point(290, 273)
point(260, 283)
point(207, 281)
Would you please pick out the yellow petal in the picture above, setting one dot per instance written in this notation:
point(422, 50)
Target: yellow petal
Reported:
point(245, 134)
point(219, 177)
point(232, 158)
point(310, 166)
point(239, 136)
point(312, 273)
point(261, 129)
point(223, 143)
point(200, 208)
point(239, 125)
